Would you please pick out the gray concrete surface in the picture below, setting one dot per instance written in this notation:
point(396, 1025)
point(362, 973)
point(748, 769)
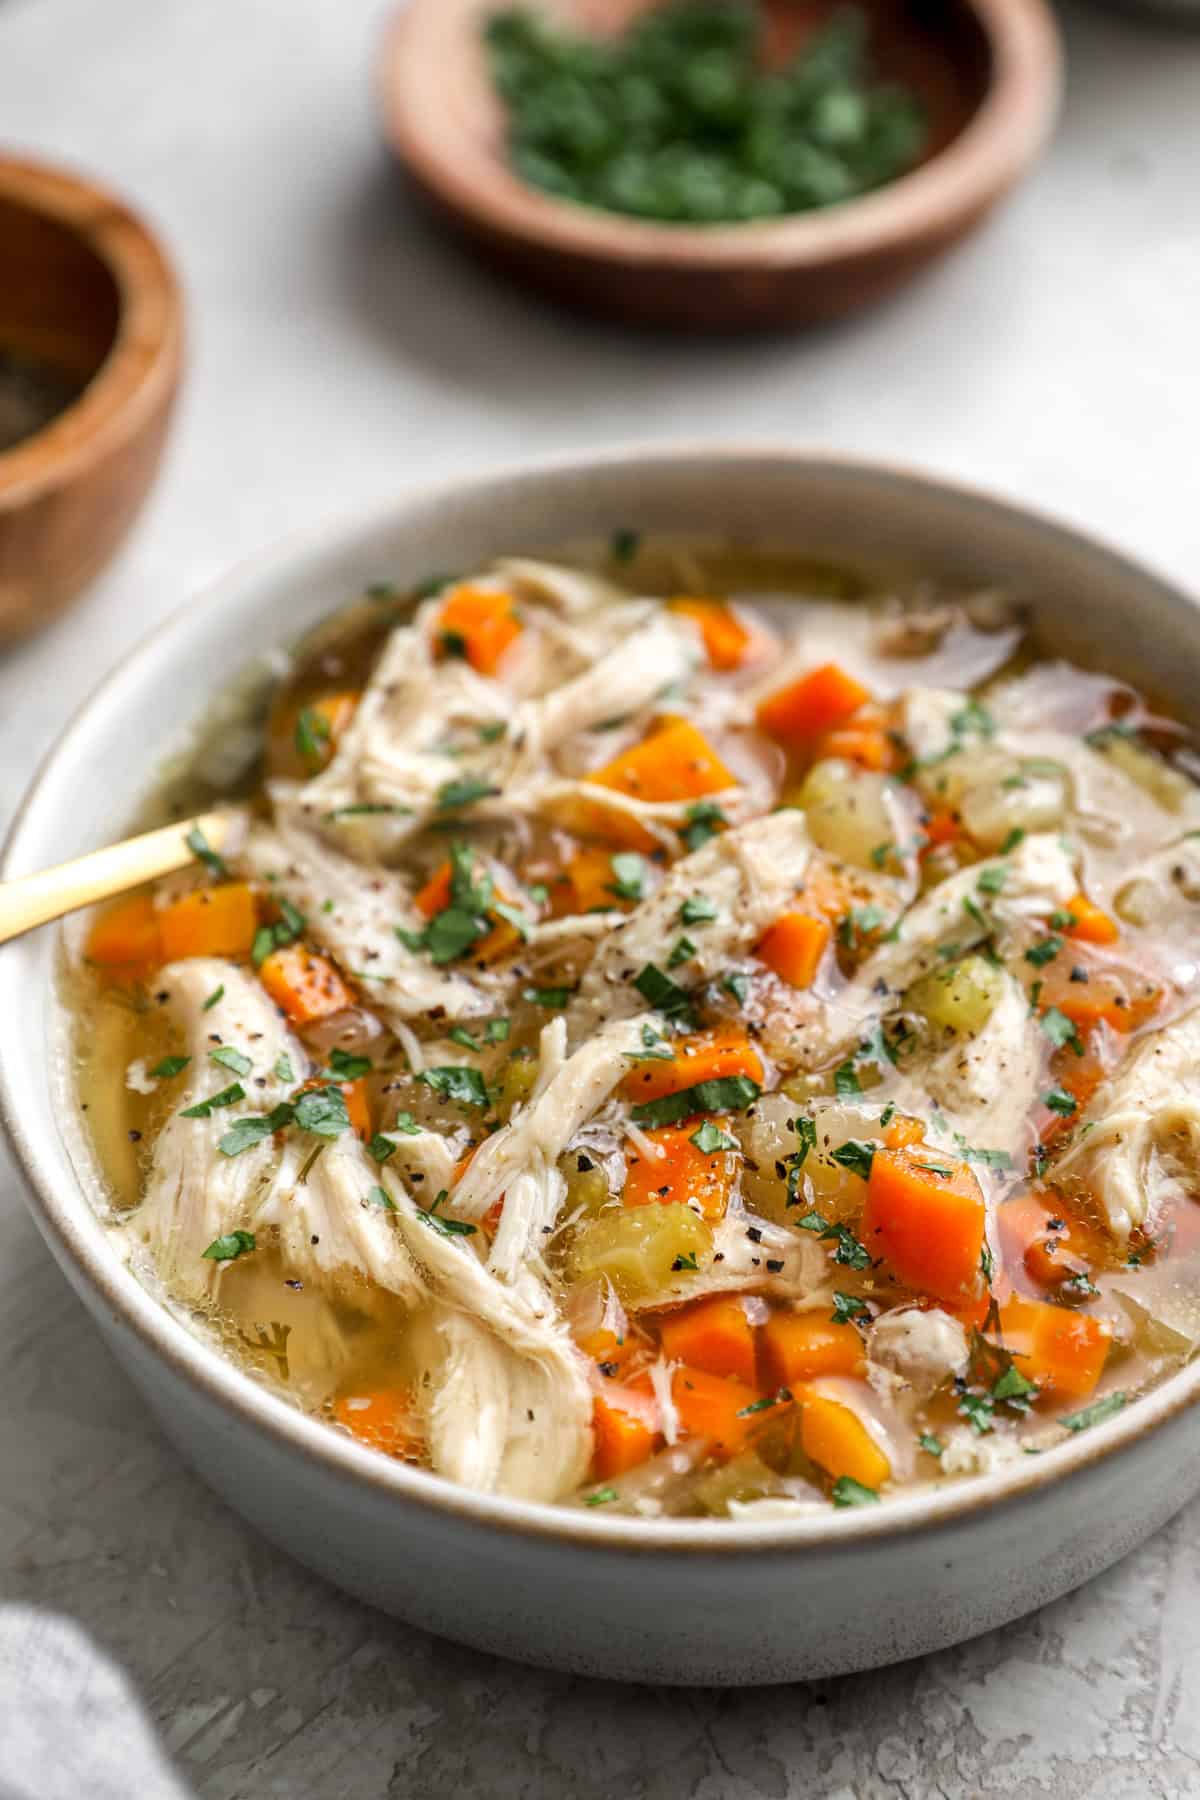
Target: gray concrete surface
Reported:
point(339, 348)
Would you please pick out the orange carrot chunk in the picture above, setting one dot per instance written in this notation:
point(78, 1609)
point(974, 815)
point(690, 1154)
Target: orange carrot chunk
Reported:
point(435, 897)
point(1091, 924)
point(727, 640)
point(620, 1439)
point(211, 921)
point(715, 1407)
point(793, 947)
point(381, 1418)
point(705, 1056)
point(1062, 1351)
point(674, 763)
point(796, 1347)
point(478, 625)
point(588, 884)
point(865, 740)
point(924, 1215)
point(126, 933)
point(837, 1441)
point(798, 714)
point(714, 1335)
point(358, 1107)
point(304, 984)
point(683, 1172)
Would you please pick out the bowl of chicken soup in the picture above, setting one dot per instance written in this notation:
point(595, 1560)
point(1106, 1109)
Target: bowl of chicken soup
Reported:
point(677, 1096)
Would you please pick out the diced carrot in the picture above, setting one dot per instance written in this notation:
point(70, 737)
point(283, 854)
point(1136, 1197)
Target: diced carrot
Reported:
point(210, 921)
point(830, 889)
point(683, 1172)
point(902, 1130)
point(327, 720)
point(587, 884)
point(793, 947)
point(1050, 1254)
point(1121, 998)
point(358, 1106)
point(704, 1056)
point(795, 1347)
point(620, 1440)
point(925, 1216)
point(836, 1439)
point(477, 624)
point(1092, 925)
point(605, 1347)
point(941, 827)
point(798, 714)
point(435, 897)
point(715, 1407)
point(865, 740)
point(728, 641)
point(674, 763)
point(1064, 1352)
point(712, 1334)
point(381, 1418)
point(304, 984)
point(127, 934)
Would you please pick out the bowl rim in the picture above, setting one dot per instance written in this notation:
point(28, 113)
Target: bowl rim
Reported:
point(1000, 140)
point(141, 363)
point(215, 1379)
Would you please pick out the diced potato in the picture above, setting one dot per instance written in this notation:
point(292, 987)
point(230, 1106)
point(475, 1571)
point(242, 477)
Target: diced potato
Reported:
point(961, 998)
point(518, 1078)
point(1033, 796)
point(768, 1140)
point(637, 1250)
point(1165, 785)
point(850, 811)
point(943, 781)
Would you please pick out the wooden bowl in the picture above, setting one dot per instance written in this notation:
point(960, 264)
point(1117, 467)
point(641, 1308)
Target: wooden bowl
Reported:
point(88, 298)
point(987, 71)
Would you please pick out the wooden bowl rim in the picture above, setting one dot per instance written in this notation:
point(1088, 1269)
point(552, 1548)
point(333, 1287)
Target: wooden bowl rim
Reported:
point(143, 360)
point(1001, 139)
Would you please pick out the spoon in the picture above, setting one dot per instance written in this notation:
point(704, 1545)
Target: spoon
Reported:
point(32, 900)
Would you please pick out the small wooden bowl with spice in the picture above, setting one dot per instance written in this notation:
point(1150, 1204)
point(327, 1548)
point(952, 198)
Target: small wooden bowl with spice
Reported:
point(677, 179)
point(90, 356)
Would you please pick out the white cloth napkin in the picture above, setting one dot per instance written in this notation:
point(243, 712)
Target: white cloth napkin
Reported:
point(70, 1726)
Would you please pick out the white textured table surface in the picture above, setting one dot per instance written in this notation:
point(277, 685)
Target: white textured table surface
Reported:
point(339, 349)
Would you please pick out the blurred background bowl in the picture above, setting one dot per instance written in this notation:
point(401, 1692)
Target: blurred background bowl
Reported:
point(90, 357)
point(988, 73)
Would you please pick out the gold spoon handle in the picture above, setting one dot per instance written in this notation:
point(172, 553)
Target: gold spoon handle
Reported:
point(33, 900)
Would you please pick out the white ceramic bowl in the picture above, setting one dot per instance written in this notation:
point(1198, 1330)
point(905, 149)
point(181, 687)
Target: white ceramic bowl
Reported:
point(675, 1601)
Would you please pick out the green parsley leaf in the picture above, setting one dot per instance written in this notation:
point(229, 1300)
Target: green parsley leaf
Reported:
point(698, 909)
point(217, 995)
point(683, 952)
point(881, 852)
point(464, 791)
point(846, 1307)
point(458, 1034)
point(624, 544)
point(971, 908)
point(381, 590)
point(709, 1138)
point(380, 1148)
point(1012, 1385)
point(552, 998)
point(992, 880)
point(229, 1058)
point(703, 817)
point(1059, 1101)
point(973, 717)
point(365, 809)
point(850, 1251)
point(1044, 951)
point(230, 1246)
point(978, 1410)
point(1015, 836)
point(514, 917)
point(806, 1131)
point(203, 851)
point(169, 1066)
point(814, 1221)
point(781, 1397)
point(659, 991)
point(858, 923)
point(311, 735)
point(1095, 1414)
point(848, 1492)
point(446, 1227)
point(245, 1133)
point(601, 1497)
point(932, 1446)
point(727, 1093)
point(1062, 921)
point(888, 1114)
point(685, 1262)
point(457, 1083)
point(1061, 1030)
point(855, 1156)
point(377, 1196)
point(204, 1109)
point(283, 1070)
point(496, 1031)
point(738, 986)
point(846, 1084)
point(406, 1125)
point(348, 1067)
point(323, 1112)
point(629, 875)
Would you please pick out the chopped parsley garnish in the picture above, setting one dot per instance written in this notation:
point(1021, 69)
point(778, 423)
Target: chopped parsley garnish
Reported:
point(312, 735)
point(1044, 951)
point(283, 1070)
point(683, 952)
point(1079, 1286)
point(513, 916)
point(453, 643)
point(365, 809)
point(204, 1109)
point(779, 1398)
point(972, 909)
point(377, 1196)
point(1015, 836)
point(458, 1083)
point(709, 1138)
point(1094, 1414)
point(492, 732)
point(855, 1156)
point(1059, 1101)
point(848, 1492)
point(846, 1084)
point(973, 717)
point(654, 1048)
point(234, 1060)
point(446, 1227)
point(738, 986)
point(888, 1113)
point(250, 1131)
point(203, 851)
point(685, 1262)
point(932, 1446)
point(624, 544)
point(659, 991)
point(858, 923)
point(1012, 1385)
point(406, 1124)
point(880, 854)
point(496, 1031)
point(458, 1034)
point(815, 1222)
point(169, 1066)
point(990, 1159)
point(992, 880)
point(978, 1409)
point(464, 791)
point(348, 1067)
point(698, 909)
point(380, 1148)
point(727, 1093)
point(230, 1246)
point(323, 1112)
point(629, 875)
point(850, 1251)
point(287, 929)
point(451, 932)
point(806, 1131)
point(703, 817)
point(552, 998)
point(601, 1497)
point(1061, 1030)
point(987, 1263)
point(846, 1307)
point(217, 995)
point(1062, 921)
